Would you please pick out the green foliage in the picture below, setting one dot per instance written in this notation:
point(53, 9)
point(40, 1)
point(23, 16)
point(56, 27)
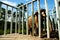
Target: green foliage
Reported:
point(8, 24)
point(1, 32)
point(22, 9)
point(8, 31)
point(2, 12)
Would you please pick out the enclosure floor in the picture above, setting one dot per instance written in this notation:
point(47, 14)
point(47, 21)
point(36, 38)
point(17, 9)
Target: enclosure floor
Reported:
point(22, 37)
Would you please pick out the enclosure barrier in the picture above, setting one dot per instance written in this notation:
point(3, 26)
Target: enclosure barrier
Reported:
point(6, 12)
point(38, 5)
point(39, 25)
point(27, 20)
point(57, 14)
point(19, 21)
point(47, 14)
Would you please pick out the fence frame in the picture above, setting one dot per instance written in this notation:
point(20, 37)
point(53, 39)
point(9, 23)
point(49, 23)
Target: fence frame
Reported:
point(6, 11)
point(47, 19)
point(57, 13)
point(38, 5)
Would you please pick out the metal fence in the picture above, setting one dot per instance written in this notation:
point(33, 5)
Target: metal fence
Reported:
point(6, 12)
point(38, 6)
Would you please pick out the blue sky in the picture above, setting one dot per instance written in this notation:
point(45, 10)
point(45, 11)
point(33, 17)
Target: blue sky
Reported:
point(42, 3)
point(15, 2)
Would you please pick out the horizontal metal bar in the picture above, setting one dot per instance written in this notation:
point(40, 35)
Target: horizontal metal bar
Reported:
point(8, 5)
point(27, 3)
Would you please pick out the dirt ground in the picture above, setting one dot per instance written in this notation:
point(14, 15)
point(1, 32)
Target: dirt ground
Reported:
point(22, 37)
point(29, 37)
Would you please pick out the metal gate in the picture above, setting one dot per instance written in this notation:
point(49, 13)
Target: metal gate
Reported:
point(18, 22)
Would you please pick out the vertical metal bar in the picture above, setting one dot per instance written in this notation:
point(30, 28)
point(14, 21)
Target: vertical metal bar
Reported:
point(47, 16)
point(52, 18)
point(0, 10)
point(16, 23)
point(22, 19)
point(27, 20)
point(39, 18)
point(11, 21)
point(19, 21)
point(5, 28)
point(32, 18)
point(57, 14)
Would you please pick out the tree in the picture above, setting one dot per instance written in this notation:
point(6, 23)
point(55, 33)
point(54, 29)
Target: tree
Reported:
point(21, 9)
point(3, 13)
point(2, 21)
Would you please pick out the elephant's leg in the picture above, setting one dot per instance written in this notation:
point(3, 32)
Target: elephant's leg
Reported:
point(30, 31)
point(36, 25)
point(37, 31)
point(37, 28)
point(30, 24)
